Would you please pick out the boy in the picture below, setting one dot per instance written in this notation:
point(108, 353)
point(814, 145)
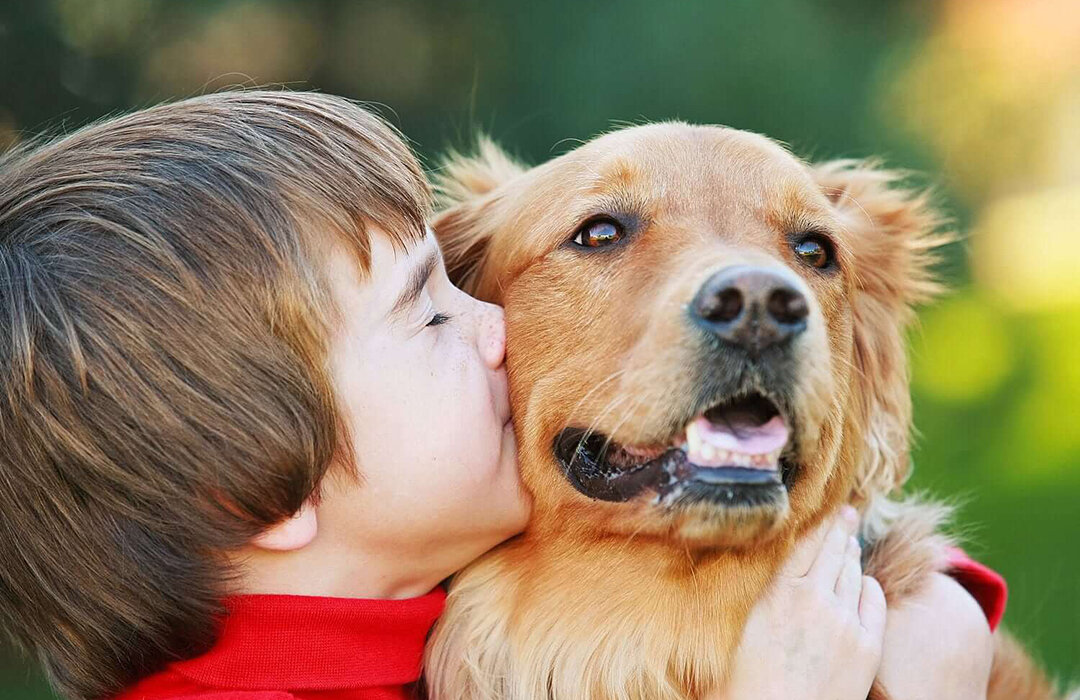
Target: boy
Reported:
point(248, 424)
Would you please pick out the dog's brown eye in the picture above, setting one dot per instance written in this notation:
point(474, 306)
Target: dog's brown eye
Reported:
point(814, 252)
point(598, 233)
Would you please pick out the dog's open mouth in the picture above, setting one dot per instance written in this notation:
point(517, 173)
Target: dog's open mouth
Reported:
point(737, 451)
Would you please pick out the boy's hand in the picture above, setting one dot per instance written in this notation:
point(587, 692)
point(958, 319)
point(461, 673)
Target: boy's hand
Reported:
point(943, 633)
point(817, 634)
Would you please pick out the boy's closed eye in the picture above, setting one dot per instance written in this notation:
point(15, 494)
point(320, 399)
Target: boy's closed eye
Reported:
point(416, 285)
point(416, 290)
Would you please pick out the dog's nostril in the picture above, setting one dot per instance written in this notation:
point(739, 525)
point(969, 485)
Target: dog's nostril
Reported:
point(750, 308)
point(787, 306)
point(722, 307)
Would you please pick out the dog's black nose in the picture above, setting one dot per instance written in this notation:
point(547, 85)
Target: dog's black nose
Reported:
point(751, 307)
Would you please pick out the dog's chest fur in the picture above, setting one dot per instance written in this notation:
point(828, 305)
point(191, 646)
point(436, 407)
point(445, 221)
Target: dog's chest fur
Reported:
point(625, 620)
point(606, 622)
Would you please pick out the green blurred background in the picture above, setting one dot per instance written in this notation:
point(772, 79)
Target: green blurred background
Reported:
point(983, 96)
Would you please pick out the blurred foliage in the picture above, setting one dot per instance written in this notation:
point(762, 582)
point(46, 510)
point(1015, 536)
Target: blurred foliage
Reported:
point(982, 95)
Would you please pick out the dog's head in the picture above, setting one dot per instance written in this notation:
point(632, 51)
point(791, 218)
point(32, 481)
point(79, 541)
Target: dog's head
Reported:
point(705, 334)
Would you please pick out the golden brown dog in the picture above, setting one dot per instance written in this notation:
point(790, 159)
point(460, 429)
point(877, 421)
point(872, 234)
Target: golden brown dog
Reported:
point(706, 356)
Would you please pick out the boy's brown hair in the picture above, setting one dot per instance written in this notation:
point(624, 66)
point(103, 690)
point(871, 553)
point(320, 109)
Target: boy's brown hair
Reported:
point(163, 326)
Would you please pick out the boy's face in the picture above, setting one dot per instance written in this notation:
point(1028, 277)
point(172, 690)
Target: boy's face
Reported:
point(418, 371)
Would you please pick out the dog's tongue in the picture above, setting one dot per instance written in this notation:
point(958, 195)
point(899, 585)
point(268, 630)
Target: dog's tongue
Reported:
point(741, 432)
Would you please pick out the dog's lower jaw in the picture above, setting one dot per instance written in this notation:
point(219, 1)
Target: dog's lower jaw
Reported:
point(705, 527)
point(540, 619)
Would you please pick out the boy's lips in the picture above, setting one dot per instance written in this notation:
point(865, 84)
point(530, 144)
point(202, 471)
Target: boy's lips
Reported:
point(502, 408)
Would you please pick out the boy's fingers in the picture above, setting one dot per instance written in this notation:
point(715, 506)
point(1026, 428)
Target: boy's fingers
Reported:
point(872, 609)
point(849, 582)
point(830, 560)
point(806, 550)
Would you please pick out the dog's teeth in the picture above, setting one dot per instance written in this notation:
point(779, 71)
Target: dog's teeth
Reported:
point(693, 439)
point(704, 453)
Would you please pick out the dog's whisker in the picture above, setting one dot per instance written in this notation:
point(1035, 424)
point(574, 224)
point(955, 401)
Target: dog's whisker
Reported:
point(622, 421)
point(611, 406)
point(596, 387)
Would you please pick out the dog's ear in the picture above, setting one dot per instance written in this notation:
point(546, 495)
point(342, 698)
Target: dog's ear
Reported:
point(466, 188)
point(892, 232)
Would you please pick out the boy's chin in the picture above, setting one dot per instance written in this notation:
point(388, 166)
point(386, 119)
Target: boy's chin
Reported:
point(511, 490)
point(522, 499)
point(513, 516)
point(509, 445)
point(501, 506)
point(507, 521)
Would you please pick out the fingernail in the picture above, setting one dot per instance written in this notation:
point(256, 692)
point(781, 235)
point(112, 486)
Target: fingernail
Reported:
point(849, 514)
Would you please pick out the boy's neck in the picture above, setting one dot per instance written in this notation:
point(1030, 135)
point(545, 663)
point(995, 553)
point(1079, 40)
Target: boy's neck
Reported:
point(321, 569)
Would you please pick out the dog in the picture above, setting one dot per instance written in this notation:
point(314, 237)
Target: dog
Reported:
point(706, 352)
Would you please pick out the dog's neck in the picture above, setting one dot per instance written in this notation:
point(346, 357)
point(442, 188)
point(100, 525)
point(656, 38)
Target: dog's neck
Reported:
point(633, 600)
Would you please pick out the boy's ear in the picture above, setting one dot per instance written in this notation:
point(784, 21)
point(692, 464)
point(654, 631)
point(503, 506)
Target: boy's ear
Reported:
point(467, 189)
point(293, 533)
point(892, 232)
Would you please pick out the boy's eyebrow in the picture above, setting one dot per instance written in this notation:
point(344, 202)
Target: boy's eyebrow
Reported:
point(418, 278)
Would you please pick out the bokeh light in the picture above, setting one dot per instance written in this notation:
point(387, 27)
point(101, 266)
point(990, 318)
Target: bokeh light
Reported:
point(968, 322)
point(1024, 249)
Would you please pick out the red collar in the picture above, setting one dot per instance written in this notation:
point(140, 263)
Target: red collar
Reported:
point(311, 643)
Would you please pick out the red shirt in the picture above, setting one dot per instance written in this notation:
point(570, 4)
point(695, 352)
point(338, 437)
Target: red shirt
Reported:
point(279, 647)
point(984, 584)
point(275, 647)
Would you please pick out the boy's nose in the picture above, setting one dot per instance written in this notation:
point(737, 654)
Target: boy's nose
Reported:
point(491, 335)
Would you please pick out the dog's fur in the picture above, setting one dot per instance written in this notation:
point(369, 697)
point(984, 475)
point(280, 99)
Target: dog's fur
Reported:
point(633, 600)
